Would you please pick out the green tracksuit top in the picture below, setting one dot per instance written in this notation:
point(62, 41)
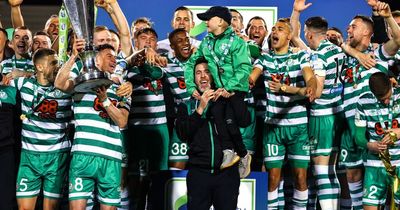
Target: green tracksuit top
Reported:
point(228, 59)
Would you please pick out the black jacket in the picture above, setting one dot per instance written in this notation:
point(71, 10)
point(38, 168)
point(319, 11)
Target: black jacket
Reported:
point(205, 151)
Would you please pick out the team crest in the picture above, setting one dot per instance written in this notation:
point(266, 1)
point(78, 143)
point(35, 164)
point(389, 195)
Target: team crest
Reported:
point(3, 95)
point(57, 93)
point(154, 86)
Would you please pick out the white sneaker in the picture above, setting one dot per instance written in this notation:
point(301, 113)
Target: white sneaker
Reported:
point(244, 166)
point(229, 159)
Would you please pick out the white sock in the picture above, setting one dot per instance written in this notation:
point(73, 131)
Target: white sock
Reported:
point(273, 200)
point(356, 194)
point(124, 205)
point(300, 199)
point(281, 196)
point(328, 193)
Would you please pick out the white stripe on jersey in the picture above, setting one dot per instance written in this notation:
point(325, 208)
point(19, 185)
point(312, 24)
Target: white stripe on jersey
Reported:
point(287, 122)
point(97, 137)
point(152, 121)
point(46, 148)
point(50, 126)
point(90, 122)
point(42, 136)
point(148, 98)
point(95, 149)
point(151, 109)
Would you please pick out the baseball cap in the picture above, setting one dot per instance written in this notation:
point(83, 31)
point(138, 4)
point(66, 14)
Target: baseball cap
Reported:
point(219, 11)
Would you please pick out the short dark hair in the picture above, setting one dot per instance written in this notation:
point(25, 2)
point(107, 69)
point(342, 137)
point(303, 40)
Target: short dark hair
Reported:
point(21, 28)
point(255, 18)
point(317, 23)
point(174, 32)
point(146, 31)
point(240, 15)
point(380, 85)
point(200, 60)
point(103, 47)
point(336, 29)
point(366, 20)
point(183, 8)
point(41, 53)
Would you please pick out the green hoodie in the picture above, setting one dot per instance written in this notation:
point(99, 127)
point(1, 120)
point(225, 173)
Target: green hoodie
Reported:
point(236, 65)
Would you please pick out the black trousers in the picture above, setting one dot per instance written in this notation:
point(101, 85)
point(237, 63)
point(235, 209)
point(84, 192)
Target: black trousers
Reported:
point(220, 189)
point(7, 178)
point(230, 114)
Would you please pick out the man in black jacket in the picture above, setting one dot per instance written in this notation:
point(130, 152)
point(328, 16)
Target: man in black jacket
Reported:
point(194, 125)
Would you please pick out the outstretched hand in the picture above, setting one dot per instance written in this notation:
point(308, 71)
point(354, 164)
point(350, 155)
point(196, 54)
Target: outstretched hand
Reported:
point(383, 9)
point(300, 5)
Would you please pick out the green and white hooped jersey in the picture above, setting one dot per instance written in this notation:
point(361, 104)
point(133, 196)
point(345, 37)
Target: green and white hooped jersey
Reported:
point(356, 78)
point(284, 109)
point(327, 61)
point(47, 113)
point(175, 77)
point(24, 64)
point(95, 132)
point(148, 106)
point(369, 112)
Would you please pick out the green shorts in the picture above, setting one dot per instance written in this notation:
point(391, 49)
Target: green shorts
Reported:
point(350, 153)
point(177, 149)
point(376, 185)
point(148, 149)
point(292, 140)
point(86, 171)
point(249, 132)
point(325, 132)
point(37, 169)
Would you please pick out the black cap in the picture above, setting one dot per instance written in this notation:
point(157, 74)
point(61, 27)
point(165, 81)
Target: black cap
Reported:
point(219, 11)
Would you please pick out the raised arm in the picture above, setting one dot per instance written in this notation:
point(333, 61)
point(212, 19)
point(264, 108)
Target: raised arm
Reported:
point(298, 7)
point(63, 81)
point(16, 15)
point(392, 46)
point(119, 19)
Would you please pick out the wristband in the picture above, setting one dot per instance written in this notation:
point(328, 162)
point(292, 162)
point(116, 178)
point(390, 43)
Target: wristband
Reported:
point(106, 103)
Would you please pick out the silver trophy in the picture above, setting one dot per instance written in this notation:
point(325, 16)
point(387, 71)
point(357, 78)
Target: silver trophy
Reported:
point(81, 15)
